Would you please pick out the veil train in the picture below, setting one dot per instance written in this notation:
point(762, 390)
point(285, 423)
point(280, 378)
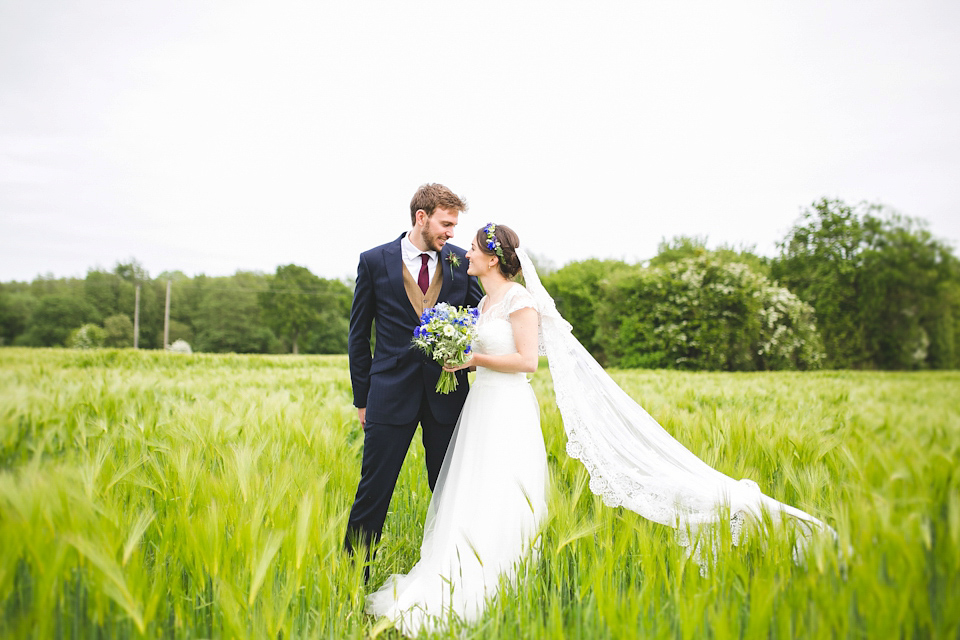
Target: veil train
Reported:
point(632, 461)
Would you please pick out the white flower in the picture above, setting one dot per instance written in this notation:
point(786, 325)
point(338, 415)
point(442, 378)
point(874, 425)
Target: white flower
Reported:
point(180, 346)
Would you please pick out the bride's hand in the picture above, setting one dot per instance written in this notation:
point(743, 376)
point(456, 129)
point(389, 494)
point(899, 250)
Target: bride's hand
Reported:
point(456, 367)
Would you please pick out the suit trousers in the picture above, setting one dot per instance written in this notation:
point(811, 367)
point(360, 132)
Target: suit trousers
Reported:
point(384, 449)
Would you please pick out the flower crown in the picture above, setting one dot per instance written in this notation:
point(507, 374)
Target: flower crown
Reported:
point(493, 244)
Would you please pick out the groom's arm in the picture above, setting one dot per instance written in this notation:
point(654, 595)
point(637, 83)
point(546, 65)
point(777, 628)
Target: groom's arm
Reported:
point(358, 340)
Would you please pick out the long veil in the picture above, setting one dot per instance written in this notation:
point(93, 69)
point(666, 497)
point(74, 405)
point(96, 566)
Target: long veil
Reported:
point(632, 461)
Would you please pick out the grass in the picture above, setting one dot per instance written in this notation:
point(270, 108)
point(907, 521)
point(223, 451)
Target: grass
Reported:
point(146, 494)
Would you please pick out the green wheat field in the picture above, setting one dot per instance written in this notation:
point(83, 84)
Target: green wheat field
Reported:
point(146, 494)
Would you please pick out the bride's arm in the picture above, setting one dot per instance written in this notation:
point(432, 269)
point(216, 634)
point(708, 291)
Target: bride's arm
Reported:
point(525, 325)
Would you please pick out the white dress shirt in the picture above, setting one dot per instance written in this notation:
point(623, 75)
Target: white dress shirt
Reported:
point(411, 258)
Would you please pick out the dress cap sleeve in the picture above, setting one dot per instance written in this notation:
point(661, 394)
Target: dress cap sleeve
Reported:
point(518, 298)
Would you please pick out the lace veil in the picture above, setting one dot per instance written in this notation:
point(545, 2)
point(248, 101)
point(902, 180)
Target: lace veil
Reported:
point(632, 461)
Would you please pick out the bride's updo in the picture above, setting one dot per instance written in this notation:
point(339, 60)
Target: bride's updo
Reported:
point(507, 240)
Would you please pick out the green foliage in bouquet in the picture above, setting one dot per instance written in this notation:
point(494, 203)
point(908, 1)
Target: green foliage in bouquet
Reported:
point(446, 334)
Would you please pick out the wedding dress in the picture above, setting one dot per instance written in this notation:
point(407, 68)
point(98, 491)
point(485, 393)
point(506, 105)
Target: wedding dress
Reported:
point(489, 500)
point(490, 497)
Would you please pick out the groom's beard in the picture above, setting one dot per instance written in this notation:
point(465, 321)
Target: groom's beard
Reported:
point(430, 241)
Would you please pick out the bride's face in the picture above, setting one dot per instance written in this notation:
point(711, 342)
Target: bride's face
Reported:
point(479, 262)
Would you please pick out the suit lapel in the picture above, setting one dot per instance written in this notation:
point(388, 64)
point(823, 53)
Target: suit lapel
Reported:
point(393, 262)
point(447, 286)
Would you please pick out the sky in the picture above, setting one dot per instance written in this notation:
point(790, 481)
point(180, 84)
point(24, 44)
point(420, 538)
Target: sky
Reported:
point(210, 137)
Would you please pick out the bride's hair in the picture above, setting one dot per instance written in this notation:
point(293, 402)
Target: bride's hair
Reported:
point(508, 240)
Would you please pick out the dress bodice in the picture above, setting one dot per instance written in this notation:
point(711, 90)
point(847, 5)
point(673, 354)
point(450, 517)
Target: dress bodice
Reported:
point(495, 333)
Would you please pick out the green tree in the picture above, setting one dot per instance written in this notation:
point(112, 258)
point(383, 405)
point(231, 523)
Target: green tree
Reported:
point(576, 288)
point(907, 276)
point(47, 285)
point(180, 331)
point(89, 336)
point(329, 334)
point(16, 307)
point(132, 272)
point(55, 317)
point(945, 329)
point(681, 247)
point(118, 331)
point(152, 296)
point(186, 297)
point(228, 318)
point(883, 288)
point(293, 303)
point(113, 292)
point(705, 313)
point(820, 261)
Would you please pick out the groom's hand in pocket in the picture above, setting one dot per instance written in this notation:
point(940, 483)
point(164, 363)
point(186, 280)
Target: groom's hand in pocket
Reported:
point(362, 414)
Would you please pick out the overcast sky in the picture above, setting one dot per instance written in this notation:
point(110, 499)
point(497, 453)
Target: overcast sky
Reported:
point(215, 136)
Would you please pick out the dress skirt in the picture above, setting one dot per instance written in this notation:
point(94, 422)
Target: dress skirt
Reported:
point(485, 514)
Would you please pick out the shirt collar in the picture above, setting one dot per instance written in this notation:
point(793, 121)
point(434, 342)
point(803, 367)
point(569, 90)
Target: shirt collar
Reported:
point(410, 252)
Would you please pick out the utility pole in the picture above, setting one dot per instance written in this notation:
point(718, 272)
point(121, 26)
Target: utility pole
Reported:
point(166, 320)
point(136, 320)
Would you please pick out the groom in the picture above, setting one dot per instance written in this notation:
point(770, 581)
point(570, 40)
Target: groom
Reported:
point(394, 389)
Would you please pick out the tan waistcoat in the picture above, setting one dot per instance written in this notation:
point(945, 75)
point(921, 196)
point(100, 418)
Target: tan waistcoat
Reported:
point(419, 299)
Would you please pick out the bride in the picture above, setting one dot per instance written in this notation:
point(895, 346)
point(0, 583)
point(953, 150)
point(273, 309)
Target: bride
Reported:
point(490, 497)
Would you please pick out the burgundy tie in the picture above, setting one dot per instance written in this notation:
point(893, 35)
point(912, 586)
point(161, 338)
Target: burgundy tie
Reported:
point(424, 279)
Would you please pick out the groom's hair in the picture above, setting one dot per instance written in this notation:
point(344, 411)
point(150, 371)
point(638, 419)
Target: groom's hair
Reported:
point(430, 196)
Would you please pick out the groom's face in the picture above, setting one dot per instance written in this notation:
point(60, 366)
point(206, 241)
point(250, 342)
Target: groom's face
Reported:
point(438, 228)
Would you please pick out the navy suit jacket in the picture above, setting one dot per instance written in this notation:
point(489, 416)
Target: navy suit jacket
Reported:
point(390, 382)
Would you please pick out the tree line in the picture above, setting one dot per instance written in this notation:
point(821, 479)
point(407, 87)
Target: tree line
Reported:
point(291, 310)
point(852, 287)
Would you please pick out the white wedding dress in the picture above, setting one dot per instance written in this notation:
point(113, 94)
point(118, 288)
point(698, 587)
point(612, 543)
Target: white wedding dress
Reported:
point(490, 497)
point(489, 501)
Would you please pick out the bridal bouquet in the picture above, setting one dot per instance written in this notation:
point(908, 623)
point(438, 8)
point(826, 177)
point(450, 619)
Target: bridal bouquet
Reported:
point(445, 334)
